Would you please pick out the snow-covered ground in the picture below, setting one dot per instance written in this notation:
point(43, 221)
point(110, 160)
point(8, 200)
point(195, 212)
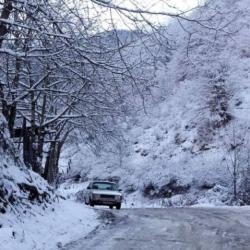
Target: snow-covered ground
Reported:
point(199, 111)
point(34, 216)
point(47, 229)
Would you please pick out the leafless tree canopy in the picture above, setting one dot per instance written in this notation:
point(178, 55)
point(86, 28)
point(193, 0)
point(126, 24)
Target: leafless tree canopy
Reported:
point(61, 71)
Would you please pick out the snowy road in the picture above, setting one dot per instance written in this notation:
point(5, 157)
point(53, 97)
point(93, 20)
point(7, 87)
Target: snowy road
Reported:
point(173, 229)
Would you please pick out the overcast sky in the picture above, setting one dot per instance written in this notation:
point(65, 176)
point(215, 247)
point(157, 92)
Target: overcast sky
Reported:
point(122, 22)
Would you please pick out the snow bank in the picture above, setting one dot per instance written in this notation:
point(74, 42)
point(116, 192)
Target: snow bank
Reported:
point(49, 229)
point(32, 215)
point(20, 187)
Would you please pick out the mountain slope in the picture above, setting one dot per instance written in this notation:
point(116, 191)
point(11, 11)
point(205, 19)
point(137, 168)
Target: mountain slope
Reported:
point(197, 121)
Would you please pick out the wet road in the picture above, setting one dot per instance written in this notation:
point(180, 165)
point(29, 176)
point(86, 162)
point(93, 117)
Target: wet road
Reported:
point(170, 229)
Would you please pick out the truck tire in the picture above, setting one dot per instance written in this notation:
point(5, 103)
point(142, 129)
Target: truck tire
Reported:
point(85, 201)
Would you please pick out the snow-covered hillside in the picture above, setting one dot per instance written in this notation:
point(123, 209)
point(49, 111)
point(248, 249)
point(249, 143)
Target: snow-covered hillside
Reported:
point(198, 113)
point(32, 214)
point(19, 187)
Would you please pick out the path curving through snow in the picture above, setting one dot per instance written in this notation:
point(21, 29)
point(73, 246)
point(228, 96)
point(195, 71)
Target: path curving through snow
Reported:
point(172, 229)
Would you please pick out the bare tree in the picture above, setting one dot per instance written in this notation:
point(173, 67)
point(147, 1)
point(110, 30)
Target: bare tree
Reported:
point(60, 72)
point(235, 147)
point(57, 75)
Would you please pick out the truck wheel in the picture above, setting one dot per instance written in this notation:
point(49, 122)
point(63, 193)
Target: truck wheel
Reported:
point(91, 203)
point(111, 207)
point(118, 206)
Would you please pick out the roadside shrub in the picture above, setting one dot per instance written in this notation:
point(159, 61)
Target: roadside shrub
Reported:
point(150, 190)
point(172, 188)
point(130, 189)
point(80, 196)
point(244, 187)
point(206, 185)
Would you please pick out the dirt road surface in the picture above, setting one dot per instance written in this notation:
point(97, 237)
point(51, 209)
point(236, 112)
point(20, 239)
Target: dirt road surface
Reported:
point(169, 229)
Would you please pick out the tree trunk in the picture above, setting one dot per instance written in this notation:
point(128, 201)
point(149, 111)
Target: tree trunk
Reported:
point(51, 165)
point(52, 161)
point(27, 149)
point(7, 8)
point(41, 133)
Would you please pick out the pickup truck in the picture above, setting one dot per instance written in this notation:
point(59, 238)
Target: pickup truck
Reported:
point(103, 193)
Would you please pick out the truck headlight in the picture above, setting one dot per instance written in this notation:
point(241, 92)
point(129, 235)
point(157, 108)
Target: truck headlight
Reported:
point(118, 197)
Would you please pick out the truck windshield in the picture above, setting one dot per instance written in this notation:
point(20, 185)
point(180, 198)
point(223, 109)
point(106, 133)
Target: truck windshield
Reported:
point(105, 186)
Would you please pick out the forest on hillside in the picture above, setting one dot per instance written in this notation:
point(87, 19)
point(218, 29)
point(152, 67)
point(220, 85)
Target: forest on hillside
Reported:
point(65, 71)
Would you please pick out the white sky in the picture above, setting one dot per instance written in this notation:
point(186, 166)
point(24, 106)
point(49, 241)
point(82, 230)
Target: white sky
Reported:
point(122, 22)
